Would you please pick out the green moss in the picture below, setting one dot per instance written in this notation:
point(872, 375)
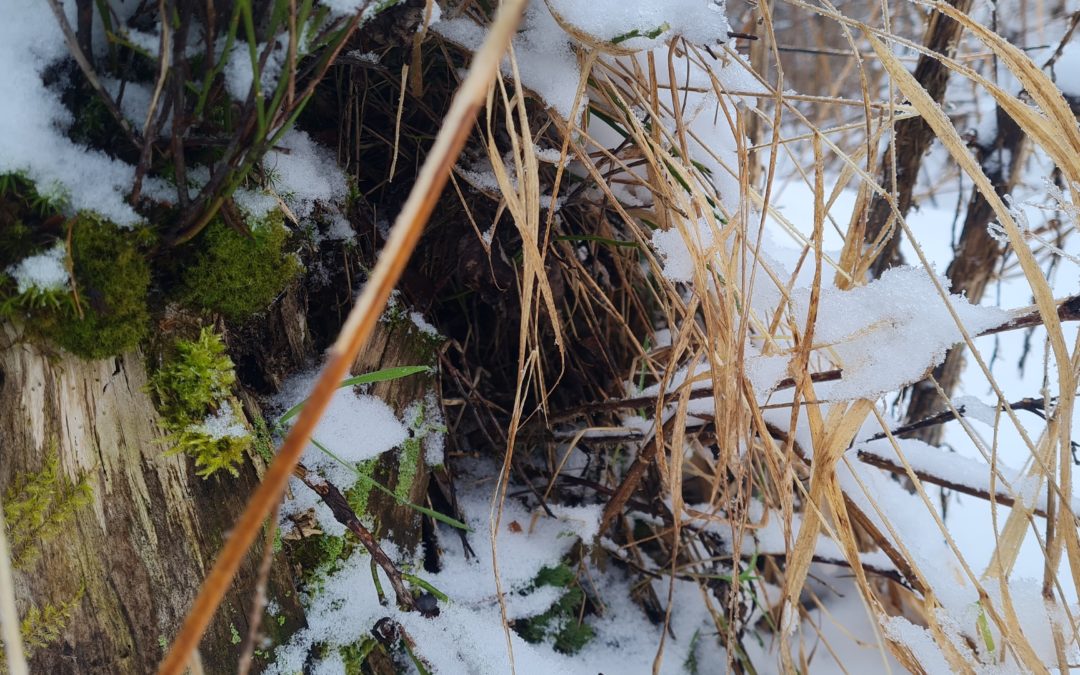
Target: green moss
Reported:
point(238, 275)
point(112, 277)
point(357, 495)
point(211, 454)
point(37, 507)
point(44, 626)
point(194, 380)
point(354, 655)
point(560, 622)
point(408, 465)
point(264, 440)
point(317, 556)
point(17, 241)
point(193, 384)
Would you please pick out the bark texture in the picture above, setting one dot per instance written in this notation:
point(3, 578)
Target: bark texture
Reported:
point(143, 544)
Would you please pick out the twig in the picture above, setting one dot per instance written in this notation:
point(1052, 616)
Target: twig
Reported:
point(356, 331)
point(999, 496)
point(259, 601)
point(1068, 310)
point(632, 479)
point(1034, 405)
point(149, 127)
point(88, 70)
point(344, 514)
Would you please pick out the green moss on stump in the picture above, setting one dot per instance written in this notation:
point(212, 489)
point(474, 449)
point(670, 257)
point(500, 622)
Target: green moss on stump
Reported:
point(111, 279)
point(194, 380)
point(104, 313)
point(238, 275)
point(194, 383)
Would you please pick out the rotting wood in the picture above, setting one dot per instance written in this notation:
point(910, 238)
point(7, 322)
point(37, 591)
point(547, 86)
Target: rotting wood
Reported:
point(151, 528)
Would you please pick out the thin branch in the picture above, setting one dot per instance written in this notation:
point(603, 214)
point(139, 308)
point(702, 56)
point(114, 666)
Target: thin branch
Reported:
point(88, 70)
point(1034, 405)
point(1068, 310)
point(260, 599)
point(999, 496)
point(344, 514)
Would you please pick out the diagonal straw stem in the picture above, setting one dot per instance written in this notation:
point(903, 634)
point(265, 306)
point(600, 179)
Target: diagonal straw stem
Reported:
point(356, 331)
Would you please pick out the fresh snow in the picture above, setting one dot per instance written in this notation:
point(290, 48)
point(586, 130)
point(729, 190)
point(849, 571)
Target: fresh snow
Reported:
point(45, 271)
point(33, 120)
point(355, 428)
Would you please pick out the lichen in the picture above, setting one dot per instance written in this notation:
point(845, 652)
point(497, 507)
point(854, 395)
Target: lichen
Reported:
point(237, 274)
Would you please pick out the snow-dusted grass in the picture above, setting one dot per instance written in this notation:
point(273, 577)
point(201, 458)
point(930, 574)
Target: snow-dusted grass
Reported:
point(773, 539)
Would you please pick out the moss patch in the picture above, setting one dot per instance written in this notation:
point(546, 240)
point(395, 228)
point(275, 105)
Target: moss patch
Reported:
point(236, 274)
point(107, 314)
point(192, 391)
point(38, 506)
point(357, 495)
point(194, 379)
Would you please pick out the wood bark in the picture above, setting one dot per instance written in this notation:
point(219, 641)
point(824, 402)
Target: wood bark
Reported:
point(140, 548)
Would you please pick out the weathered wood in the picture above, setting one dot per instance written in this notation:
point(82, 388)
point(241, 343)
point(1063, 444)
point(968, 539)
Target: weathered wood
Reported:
point(398, 343)
point(143, 544)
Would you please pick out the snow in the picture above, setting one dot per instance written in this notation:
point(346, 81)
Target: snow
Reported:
point(255, 204)
point(468, 634)
point(222, 424)
point(354, 428)
point(674, 248)
point(958, 470)
point(975, 409)
point(33, 120)
point(545, 61)
point(699, 21)
point(888, 333)
point(919, 641)
point(306, 175)
point(239, 76)
point(423, 325)
point(45, 271)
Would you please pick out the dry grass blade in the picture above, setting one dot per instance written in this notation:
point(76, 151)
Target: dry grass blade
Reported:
point(354, 334)
point(9, 617)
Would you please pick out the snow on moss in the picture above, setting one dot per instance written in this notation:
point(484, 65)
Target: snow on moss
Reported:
point(44, 272)
point(221, 424)
point(33, 121)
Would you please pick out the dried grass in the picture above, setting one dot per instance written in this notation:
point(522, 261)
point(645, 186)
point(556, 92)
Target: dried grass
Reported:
point(841, 124)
